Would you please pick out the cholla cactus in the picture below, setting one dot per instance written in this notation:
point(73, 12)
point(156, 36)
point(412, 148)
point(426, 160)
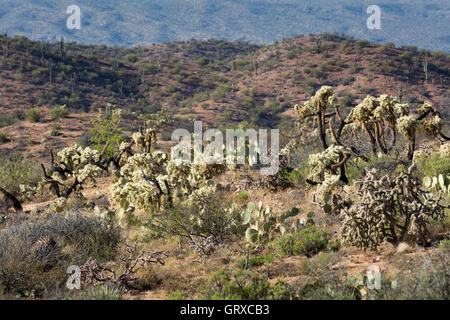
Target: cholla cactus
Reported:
point(379, 118)
point(374, 115)
point(407, 125)
point(160, 119)
point(324, 168)
point(390, 209)
point(143, 181)
point(145, 141)
point(288, 149)
point(200, 196)
point(203, 170)
point(75, 158)
point(76, 166)
point(58, 204)
point(317, 107)
point(433, 126)
point(27, 191)
point(149, 179)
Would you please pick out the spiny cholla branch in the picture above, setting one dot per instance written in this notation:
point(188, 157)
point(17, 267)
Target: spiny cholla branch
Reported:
point(92, 273)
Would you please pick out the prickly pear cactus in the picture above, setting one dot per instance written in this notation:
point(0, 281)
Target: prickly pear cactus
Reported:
point(445, 150)
point(261, 222)
point(439, 184)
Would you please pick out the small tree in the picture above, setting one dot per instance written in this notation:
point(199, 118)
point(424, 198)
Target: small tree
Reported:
point(107, 130)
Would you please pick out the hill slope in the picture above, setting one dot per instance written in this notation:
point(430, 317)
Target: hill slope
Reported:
point(216, 81)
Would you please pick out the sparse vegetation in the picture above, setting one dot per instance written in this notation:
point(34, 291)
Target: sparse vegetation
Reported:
point(360, 169)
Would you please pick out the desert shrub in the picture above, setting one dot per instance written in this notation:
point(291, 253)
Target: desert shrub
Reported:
point(85, 139)
point(16, 171)
point(176, 295)
point(293, 53)
point(102, 292)
point(297, 176)
point(244, 285)
point(242, 65)
point(7, 120)
point(33, 114)
point(4, 137)
point(208, 216)
point(420, 278)
point(131, 58)
point(147, 279)
point(107, 130)
point(256, 261)
point(34, 256)
point(59, 112)
point(202, 61)
point(324, 283)
point(19, 114)
point(384, 164)
point(347, 81)
point(306, 242)
point(242, 196)
point(434, 164)
point(221, 91)
point(85, 236)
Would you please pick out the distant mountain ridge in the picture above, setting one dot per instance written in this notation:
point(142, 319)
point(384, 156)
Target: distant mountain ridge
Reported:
point(143, 22)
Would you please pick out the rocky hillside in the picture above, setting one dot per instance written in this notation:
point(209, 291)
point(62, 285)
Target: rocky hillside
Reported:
point(216, 81)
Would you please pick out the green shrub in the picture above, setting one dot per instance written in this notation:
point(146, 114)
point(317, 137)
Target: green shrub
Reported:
point(102, 292)
point(202, 61)
point(433, 165)
point(385, 165)
point(419, 278)
point(131, 58)
point(33, 114)
point(7, 120)
point(34, 256)
point(298, 176)
point(444, 244)
point(256, 261)
point(242, 195)
point(4, 137)
point(176, 295)
point(59, 112)
point(244, 285)
point(107, 129)
point(325, 283)
point(210, 216)
point(15, 170)
point(306, 242)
